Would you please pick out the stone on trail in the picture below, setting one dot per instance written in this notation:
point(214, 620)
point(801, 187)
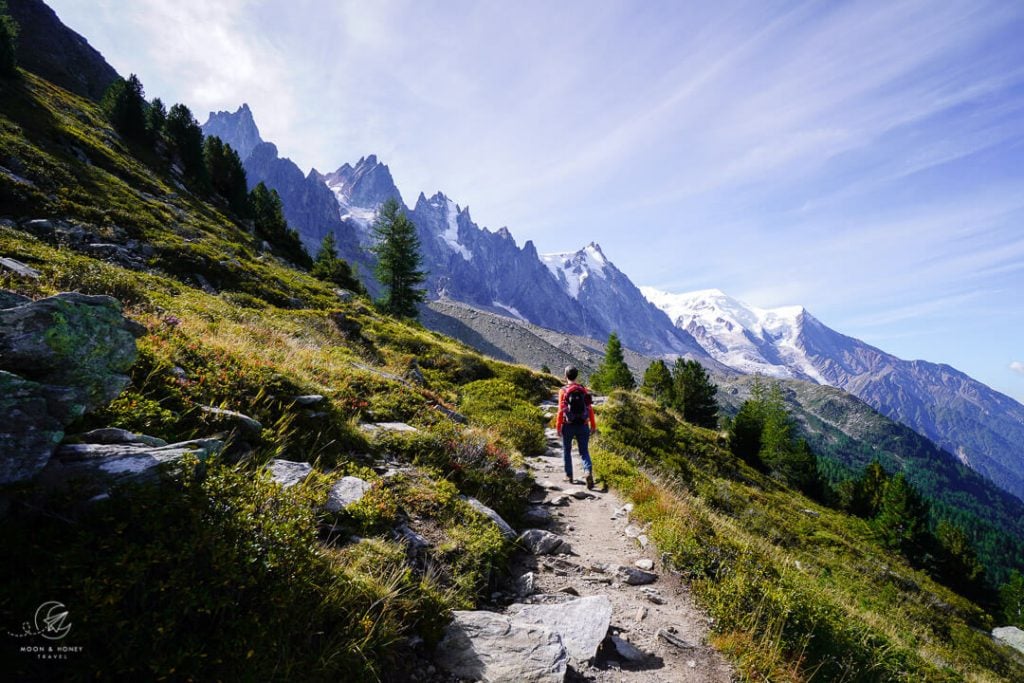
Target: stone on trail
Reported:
point(536, 516)
point(540, 542)
point(634, 576)
point(645, 564)
point(558, 501)
point(484, 646)
point(668, 635)
point(582, 624)
point(628, 651)
point(580, 494)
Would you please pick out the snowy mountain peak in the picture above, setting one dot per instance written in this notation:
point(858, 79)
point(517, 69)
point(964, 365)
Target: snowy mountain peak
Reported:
point(572, 269)
point(744, 337)
point(361, 189)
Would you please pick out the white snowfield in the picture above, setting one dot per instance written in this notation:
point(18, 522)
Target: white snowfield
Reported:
point(744, 337)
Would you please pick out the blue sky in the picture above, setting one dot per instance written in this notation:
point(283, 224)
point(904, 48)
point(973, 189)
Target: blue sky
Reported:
point(863, 159)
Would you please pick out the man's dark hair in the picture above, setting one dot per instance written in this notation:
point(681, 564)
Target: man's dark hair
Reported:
point(571, 373)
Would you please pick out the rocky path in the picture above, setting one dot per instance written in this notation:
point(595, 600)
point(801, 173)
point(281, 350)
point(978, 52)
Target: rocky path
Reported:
point(656, 632)
point(587, 573)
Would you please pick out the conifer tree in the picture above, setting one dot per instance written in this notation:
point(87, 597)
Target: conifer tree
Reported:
point(328, 267)
point(125, 105)
point(745, 433)
point(958, 562)
point(268, 217)
point(657, 383)
point(1011, 599)
point(156, 119)
point(398, 261)
point(695, 393)
point(185, 138)
point(612, 373)
point(8, 42)
point(866, 499)
point(227, 176)
point(902, 520)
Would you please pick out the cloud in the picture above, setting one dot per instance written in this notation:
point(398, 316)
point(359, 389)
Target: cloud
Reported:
point(1017, 366)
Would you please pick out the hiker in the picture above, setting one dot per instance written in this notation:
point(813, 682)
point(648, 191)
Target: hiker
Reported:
point(575, 421)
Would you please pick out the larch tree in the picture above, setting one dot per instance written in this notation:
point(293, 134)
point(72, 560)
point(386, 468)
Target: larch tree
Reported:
point(398, 261)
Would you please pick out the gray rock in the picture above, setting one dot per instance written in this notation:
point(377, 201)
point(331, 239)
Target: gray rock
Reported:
point(309, 400)
point(536, 516)
point(345, 492)
point(233, 421)
point(11, 299)
point(18, 268)
point(59, 357)
point(387, 427)
point(582, 624)
point(628, 651)
point(506, 530)
point(484, 646)
point(580, 494)
point(125, 460)
point(40, 227)
point(288, 473)
point(540, 542)
point(526, 585)
point(113, 435)
point(645, 564)
point(415, 541)
point(634, 576)
point(632, 531)
point(558, 501)
point(1011, 635)
point(669, 636)
point(652, 595)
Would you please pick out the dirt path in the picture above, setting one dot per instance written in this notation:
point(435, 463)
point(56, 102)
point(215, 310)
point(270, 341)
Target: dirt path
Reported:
point(659, 619)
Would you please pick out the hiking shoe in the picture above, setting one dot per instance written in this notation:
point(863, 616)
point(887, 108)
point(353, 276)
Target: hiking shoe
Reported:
point(569, 480)
point(590, 480)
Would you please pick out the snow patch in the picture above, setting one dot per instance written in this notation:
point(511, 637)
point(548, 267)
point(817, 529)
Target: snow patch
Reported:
point(572, 269)
point(511, 309)
point(451, 235)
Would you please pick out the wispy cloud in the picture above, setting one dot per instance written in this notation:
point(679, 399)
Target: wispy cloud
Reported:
point(1017, 366)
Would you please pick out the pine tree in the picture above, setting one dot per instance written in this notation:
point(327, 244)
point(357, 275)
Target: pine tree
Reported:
point(866, 498)
point(1011, 599)
point(958, 562)
point(398, 261)
point(125, 105)
point(745, 433)
point(268, 217)
point(8, 42)
point(612, 373)
point(328, 267)
point(227, 176)
point(185, 138)
point(902, 520)
point(657, 383)
point(695, 393)
point(156, 119)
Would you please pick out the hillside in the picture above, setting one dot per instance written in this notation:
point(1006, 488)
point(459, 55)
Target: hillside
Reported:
point(325, 498)
point(845, 432)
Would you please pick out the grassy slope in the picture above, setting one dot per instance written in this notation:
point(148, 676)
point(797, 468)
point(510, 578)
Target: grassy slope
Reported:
point(798, 591)
point(219, 573)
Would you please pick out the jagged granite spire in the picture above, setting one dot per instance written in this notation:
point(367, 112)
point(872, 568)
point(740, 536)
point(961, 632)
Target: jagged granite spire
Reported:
point(237, 129)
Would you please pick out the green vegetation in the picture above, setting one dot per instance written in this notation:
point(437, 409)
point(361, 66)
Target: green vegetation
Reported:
point(693, 393)
point(798, 591)
point(218, 573)
point(398, 261)
point(8, 42)
point(612, 373)
point(124, 103)
point(329, 268)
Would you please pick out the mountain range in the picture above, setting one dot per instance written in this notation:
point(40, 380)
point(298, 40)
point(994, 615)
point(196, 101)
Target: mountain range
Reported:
point(583, 293)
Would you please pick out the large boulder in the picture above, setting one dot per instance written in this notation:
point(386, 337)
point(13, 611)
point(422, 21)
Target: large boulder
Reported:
point(101, 464)
point(582, 624)
point(485, 646)
point(59, 358)
point(503, 526)
point(1011, 635)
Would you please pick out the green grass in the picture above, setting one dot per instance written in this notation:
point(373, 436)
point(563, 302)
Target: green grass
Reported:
point(798, 591)
point(217, 573)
